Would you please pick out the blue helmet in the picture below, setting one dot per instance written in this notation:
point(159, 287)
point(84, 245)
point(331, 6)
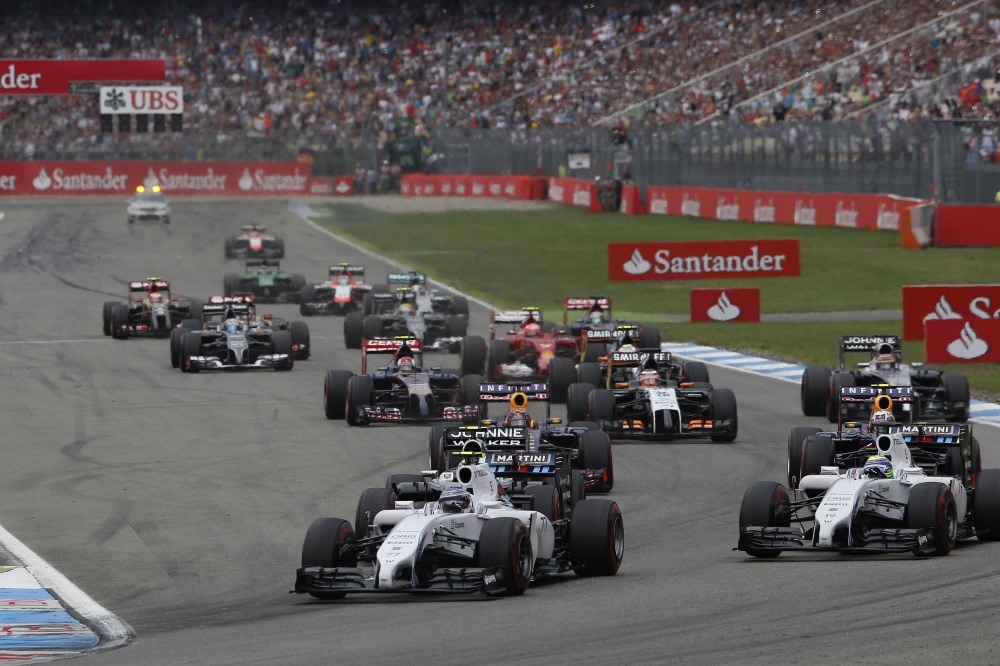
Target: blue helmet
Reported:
point(232, 325)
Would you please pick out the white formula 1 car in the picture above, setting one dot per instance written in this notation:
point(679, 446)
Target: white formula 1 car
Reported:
point(889, 505)
point(473, 538)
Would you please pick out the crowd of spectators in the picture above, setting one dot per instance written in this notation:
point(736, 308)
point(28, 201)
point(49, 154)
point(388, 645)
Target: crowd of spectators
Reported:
point(265, 76)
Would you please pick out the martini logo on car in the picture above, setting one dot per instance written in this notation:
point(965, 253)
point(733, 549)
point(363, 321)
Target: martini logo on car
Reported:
point(699, 260)
point(522, 458)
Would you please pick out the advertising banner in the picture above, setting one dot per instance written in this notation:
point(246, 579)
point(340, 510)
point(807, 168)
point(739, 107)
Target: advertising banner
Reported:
point(923, 302)
point(116, 100)
point(701, 260)
point(737, 305)
point(967, 226)
point(52, 77)
point(962, 341)
point(343, 186)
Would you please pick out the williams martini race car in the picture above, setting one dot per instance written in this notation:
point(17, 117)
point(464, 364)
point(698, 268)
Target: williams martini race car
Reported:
point(640, 403)
point(474, 537)
point(266, 281)
point(148, 204)
point(150, 311)
point(235, 342)
point(402, 391)
point(599, 318)
point(399, 314)
point(935, 394)
point(888, 504)
point(254, 241)
point(343, 292)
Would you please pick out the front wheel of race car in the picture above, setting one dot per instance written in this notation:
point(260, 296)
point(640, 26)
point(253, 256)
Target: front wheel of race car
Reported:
point(359, 393)
point(278, 248)
point(956, 391)
point(723, 409)
point(589, 373)
point(765, 504)
point(504, 542)
point(354, 329)
point(281, 344)
point(596, 537)
point(472, 355)
point(562, 372)
point(595, 454)
point(300, 339)
point(601, 405)
point(372, 327)
point(817, 452)
point(468, 388)
point(335, 393)
point(230, 247)
point(370, 503)
point(650, 336)
point(578, 402)
point(329, 543)
point(986, 505)
point(499, 353)
point(306, 297)
point(295, 287)
point(932, 505)
point(456, 326)
point(815, 390)
point(796, 440)
point(460, 306)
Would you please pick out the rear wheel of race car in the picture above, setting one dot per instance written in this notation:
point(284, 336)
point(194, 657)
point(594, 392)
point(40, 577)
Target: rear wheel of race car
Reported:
point(601, 405)
point(593, 352)
point(281, 343)
point(975, 458)
point(372, 327)
point(595, 453)
point(578, 402)
point(435, 447)
point(190, 346)
point(838, 380)
point(230, 247)
point(932, 505)
point(577, 487)
point(723, 408)
point(817, 452)
point(119, 322)
point(765, 504)
point(329, 543)
point(696, 371)
point(504, 542)
point(546, 500)
point(796, 439)
point(193, 324)
point(370, 503)
point(589, 373)
point(956, 390)
point(335, 393)
point(230, 284)
point(986, 505)
point(295, 287)
point(307, 296)
point(596, 537)
point(460, 306)
point(815, 390)
point(650, 337)
point(354, 330)
point(499, 352)
point(562, 372)
point(472, 355)
point(176, 348)
point(109, 306)
point(300, 338)
point(457, 326)
point(468, 388)
point(360, 391)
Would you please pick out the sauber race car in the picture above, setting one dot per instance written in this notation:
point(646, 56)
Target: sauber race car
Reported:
point(935, 394)
point(475, 537)
point(150, 311)
point(343, 292)
point(398, 313)
point(537, 446)
point(254, 242)
point(400, 392)
point(640, 403)
point(266, 281)
point(530, 350)
point(148, 204)
point(235, 342)
point(598, 309)
point(887, 504)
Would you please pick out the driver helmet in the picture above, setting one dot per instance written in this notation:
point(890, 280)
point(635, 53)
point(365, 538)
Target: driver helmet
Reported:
point(155, 297)
point(531, 330)
point(885, 362)
point(877, 467)
point(881, 416)
point(232, 325)
point(649, 378)
point(596, 317)
point(406, 307)
point(455, 500)
point(517, 418)
point(405, 364)
point(627, 348)
point(343, 280)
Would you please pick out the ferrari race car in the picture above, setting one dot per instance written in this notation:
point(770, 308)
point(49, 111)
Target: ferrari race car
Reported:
point(598, 309)
point(234, 343)
point(398, 314)
point(400, 392)
point(935, 394)
point(150, 311)
point(640, 403)
point(530, 350)
point(519, 445)
point(254, 242)
point(343, 292)
point(266, 281)
point(148, 204)
point(889, 504)
point(474, 537)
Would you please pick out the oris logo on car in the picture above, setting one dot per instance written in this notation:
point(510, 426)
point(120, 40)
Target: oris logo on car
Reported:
point(699, 260)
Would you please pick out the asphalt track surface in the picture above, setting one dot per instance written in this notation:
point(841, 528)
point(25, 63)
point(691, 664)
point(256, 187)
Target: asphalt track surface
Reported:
point(179, 502)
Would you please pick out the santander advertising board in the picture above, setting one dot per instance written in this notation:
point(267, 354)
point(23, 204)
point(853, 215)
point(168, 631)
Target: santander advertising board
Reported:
point(701, 260)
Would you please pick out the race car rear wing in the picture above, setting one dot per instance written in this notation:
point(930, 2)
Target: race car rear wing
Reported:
point(253, 227)
point(411, 278)
point(869, 344)
point(253, 262)
point(242, 310)
point(638, 357)
point(587, 304)
point(391, 346)
point(515, 316)
point(236, 298)
point(149, 284)
point(357, 272)
point(518, 395)
point(935, 436)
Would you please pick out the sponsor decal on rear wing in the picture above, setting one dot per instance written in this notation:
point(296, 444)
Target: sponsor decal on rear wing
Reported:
point(537, 392)
point(382, 296)
point(407, 278)
point(239, 309)
point(600, 335)
point(939, 434)
point(869, 393)
point(146, 285)
point(389, 345)
point(238, 298)
point(571, 304)
point(866, 343)
point(528, 459)
point(484, 437)
point(515, 316)
point(636, 357)
point(356, 271)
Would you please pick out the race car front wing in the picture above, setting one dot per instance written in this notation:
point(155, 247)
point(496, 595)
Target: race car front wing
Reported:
point(319, 580)
point(918, 541)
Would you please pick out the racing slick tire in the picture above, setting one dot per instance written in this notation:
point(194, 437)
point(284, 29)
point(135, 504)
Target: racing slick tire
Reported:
point(592, 352)
point(359, 392)
point(499, 352)
point(954, 465)
point(650, 336)
point(723, 407)
point(230, 284)
point(562, 372)
point(933, 505)
point(986, 505)
point(295, 286)
point(281, 343)
point(191, 324)
point(596, 537)
point(796, 440)
point(372, 326)
point(119, 322)
point(765, 504)
point(472, 355)
point(468, 388)
point(595, 453)
point(176, 346)
point(815, 390)
point(956, 390)
point(354, 330)
point(546, 500)
point(504, 542)
point(435, 447)
point(306, 298)
point(278, 248)
point(329, 543)
point(589, 425)
point(601, 405)
point(372, 501)
point(109, 306)
point(817, 452)
point(460, 306)
point(457, 326)
point(393, 481)
point(578, 402)
point(230, 247)
point(837, 381)
point(300, 338)
point(589, 373)
point(577, 487)
point(368, 303)
point(190, 346)
point(696, 372)
point(335, 393)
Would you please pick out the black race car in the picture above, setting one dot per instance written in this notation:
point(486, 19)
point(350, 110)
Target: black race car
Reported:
point(400, 313)
point(599, 319)
point(150, 311)
point(254, 241)
point(234, 342)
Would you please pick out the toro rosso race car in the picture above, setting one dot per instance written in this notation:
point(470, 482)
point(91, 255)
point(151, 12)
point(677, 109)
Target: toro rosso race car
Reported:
point(519, 445)
point(599, 318)
point(399, 313)
point(235, 342)
point(640, 403)
point(266, 281)
point(150, 311)
point(888, 504)
point(474, 537)
point(254, 242)
point(934, 394)
point(343, 292)
point(400, 392)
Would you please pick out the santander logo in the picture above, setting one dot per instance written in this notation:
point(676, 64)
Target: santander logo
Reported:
point(690, 207)
point(724, 211)
point(658, 206)
point(968, 345)
point(42, 180)
point(763, 213)
point(887, 219)
point(846, 217)
point(805, 214)
point(637, 264)
point(943, 310)
point(724, 309)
